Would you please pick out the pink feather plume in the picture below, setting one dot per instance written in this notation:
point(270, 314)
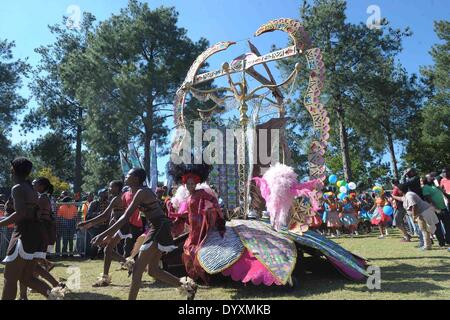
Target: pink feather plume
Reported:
point(279, 187)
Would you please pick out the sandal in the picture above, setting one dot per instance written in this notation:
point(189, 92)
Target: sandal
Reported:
point(122, 267)
point(129, 265)
point(188, 287)
point(56, 293)
point(62, 285)
point(103, 281)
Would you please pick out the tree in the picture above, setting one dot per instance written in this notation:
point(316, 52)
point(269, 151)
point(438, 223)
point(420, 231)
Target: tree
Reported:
point(100, 171)
point(58, 107)
point(428, 147)
point(53, 151)
point(390, 99)
point(367, 167)
point(11, 103)
point(58, 184)
point(129, 75)
point(350, 53)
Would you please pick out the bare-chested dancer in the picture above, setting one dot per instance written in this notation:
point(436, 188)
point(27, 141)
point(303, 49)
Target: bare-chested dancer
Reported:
point(112, 213)
point(26, 240)
point(44, 189)
point(159, 238)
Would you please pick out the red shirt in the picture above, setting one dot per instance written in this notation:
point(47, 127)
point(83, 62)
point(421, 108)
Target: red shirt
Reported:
point(396, 192)
point(445, 184)
point(135, 219)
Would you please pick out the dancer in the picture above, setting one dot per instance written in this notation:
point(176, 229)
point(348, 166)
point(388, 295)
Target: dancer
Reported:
point(203, 214)
point(26, 241)
point(44, 189)
point(159, 238)
point(332, 216)
point(137, 225)
point(379, 218)
point(113, 212)
point(177, 210)
point(349, 216)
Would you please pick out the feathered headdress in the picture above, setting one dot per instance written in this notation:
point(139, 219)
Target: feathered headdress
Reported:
point(279, 187)
point(181, 172)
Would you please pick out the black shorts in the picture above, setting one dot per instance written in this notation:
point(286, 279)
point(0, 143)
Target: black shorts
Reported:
point(27, 241)
point(159, 231)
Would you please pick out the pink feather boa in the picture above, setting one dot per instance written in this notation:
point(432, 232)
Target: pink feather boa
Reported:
point(279, 187)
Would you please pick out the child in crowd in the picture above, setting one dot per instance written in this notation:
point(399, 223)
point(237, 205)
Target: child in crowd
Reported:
point(348, 216)
point(379, 218)
point(332, 216)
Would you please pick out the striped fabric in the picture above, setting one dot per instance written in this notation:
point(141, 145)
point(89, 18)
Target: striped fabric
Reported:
point(217, 254)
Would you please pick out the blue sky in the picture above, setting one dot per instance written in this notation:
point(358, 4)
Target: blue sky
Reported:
point(25, 22)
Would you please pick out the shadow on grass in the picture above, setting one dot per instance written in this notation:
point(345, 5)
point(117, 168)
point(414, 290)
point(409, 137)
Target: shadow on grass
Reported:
point(406, 278)
point(412, 258)
point(313, 276)
point(88, 296)
point(317, 277)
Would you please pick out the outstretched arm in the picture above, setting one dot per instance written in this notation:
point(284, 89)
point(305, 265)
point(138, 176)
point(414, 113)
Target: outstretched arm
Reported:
point(12, 218)
point(102, 238)
point(101, 217)
point(397, 198)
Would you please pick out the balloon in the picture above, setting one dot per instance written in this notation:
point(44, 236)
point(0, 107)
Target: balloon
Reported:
point(343, 189)
point(342, 196)
point(352, 186)
point(377, 189)
point(332, 179)
point(340, 183)
point(388, 210)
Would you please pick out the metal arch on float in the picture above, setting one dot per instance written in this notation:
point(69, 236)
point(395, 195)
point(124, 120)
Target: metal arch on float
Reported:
point(301, 45)
point(190, 78)
point(312, 103)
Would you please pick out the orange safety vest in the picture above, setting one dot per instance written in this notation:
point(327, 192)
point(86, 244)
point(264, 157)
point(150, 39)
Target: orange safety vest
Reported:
point(67, 211)
point(84, 210)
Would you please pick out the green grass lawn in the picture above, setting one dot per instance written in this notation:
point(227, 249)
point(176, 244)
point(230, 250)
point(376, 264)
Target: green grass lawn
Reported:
point(406, 273)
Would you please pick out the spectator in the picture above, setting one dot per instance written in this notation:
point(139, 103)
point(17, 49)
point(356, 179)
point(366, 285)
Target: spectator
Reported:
point(435, 197)
point(67, 213)
point(81, 234)
point(8, 209)
point(411, 180)
point(95, 208)
point(166, 192)
point(445, 184)
point(85, 206)
point(63, 195)
point(422, 212)
point(3, 230)
point(400, 212)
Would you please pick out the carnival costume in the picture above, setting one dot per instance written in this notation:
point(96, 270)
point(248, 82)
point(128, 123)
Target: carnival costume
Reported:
point(260, 252)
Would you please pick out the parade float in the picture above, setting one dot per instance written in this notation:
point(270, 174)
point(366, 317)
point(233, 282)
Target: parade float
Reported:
point(268, 231)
